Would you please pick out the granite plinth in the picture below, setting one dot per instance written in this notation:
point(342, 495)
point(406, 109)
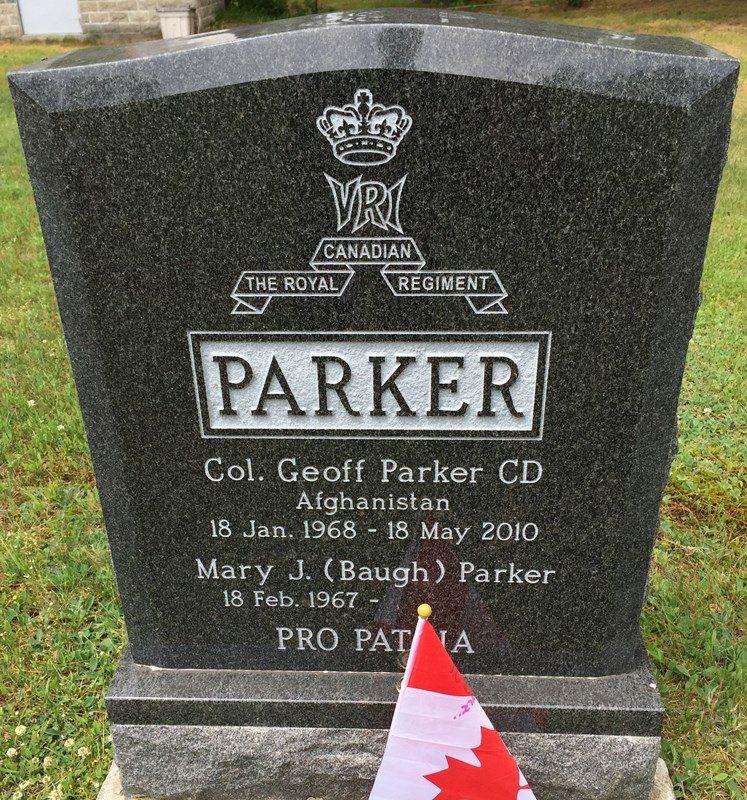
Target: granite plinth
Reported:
point(182, 762)
point(621, 705)
point(278, 735)
point(112, 789)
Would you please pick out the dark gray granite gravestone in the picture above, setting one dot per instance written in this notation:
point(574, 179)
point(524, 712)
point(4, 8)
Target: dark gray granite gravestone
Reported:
point(367, 310)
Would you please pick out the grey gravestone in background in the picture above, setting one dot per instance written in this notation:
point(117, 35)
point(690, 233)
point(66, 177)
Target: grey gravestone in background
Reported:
point(367, 310)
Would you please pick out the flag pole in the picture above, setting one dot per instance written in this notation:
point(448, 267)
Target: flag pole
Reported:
point(424, 612)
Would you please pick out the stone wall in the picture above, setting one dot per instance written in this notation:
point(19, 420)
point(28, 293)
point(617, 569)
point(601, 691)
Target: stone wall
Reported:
point(206, 11)
point(114, 17)
point(10, 20)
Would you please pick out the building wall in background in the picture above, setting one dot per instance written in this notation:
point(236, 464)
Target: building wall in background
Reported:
point(10, 20)
point(112, 18)
point(206, 12)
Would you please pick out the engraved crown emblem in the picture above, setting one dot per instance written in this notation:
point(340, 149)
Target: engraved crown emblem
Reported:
point(364, 133)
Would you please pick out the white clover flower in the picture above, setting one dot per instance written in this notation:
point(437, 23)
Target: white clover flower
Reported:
point(60, 427)
point(17, 795)
point(48, 761)
point(20, 730)
point(69, 744)
point(31, 403)
point(11, 752)
point(83, 752)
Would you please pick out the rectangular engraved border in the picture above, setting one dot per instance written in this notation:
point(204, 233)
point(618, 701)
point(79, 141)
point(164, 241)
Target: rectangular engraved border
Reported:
point(544, 338)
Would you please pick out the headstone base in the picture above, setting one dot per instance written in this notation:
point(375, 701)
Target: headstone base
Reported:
point(183, 734)
point(185, 762)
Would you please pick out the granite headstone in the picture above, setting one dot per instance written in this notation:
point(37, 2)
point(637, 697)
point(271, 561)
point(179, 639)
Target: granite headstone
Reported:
point(367, 310)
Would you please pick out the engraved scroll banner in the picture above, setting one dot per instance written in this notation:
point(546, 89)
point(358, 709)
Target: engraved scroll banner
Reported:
point(398, 252)
point(481, 288)
point(401, 264)
point(254, 288)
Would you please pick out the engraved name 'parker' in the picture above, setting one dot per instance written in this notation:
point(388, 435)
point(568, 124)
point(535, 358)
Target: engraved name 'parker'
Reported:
point(358, 382)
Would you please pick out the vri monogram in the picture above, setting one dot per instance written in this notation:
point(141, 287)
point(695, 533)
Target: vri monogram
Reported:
point(360, 202)
point(367, 134)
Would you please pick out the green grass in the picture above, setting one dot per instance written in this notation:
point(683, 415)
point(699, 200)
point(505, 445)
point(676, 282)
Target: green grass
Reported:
point(675, 17)
point(696, 618)
point(60, 627)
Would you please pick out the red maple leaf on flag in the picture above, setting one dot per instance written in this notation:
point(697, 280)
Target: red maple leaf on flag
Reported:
point(496, 778)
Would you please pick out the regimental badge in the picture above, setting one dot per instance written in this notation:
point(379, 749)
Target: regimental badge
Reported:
point(367, 134)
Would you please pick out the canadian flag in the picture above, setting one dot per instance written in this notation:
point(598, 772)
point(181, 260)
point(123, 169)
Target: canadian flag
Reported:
point(441, 743)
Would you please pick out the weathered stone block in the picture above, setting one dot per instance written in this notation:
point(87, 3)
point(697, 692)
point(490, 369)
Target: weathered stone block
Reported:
point(662, 789)
point(181, 763)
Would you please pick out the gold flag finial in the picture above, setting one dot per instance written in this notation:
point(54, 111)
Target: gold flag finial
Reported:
point(424, 611)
